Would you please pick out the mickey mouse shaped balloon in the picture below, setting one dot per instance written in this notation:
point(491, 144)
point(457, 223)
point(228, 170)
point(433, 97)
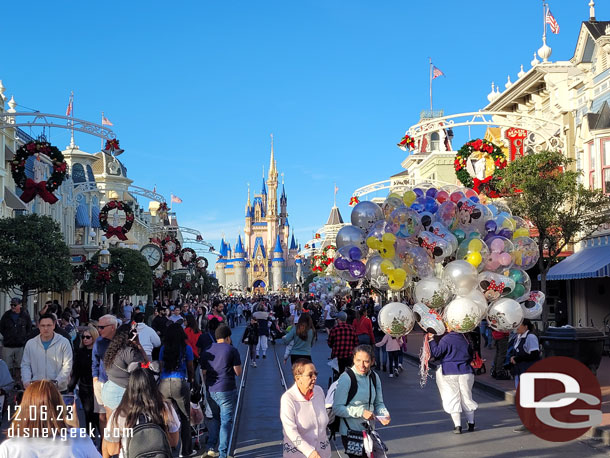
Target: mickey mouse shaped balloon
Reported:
point(428, 319)
point(348, 263)
point(494, 285)
point(438, 248)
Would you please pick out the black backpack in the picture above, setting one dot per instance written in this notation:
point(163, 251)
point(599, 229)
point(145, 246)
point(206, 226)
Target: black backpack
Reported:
point(148, 440)
point(353, 389)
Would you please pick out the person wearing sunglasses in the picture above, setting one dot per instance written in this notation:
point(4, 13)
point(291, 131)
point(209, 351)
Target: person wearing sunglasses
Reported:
point(107, 325)
point(303, 415)
point(82, 375)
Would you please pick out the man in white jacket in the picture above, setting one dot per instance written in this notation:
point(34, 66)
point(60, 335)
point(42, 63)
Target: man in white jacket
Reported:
point(147, 336)
point(48, 356)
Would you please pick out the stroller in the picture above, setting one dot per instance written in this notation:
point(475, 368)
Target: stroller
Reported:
point(198, 427)
point(275, 333)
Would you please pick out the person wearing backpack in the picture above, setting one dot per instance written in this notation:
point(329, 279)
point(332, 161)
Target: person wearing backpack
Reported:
point(250, 338)
point(358, 400)
point(154, 421)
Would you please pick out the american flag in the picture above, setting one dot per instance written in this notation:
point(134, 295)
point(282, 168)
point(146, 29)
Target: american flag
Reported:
point(69, 109)
point(106, 121)
point(336, 189)
point(551, 21)
point(176, 199)
point(436, 72)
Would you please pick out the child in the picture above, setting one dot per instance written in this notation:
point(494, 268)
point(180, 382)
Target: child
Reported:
point(392, 346)
point(251, 338)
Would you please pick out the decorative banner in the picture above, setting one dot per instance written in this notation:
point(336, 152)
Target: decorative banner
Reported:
point(516, 137)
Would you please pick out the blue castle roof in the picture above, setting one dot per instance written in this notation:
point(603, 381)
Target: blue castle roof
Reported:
point(293, 243)
point(277, 251)
point(239, 248)
point(249, 212)
point(264, 189)
point(259, 242)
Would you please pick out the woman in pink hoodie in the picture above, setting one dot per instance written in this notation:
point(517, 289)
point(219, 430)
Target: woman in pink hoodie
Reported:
point(392, 346)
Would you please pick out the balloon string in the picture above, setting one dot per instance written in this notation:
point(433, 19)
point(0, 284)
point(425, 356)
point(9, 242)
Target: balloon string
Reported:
point(424, 357)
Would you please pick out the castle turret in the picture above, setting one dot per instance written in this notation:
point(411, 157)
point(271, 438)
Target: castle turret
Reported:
point(239, 266)
point(277, 264)
point(248, 224)
point(220, 265)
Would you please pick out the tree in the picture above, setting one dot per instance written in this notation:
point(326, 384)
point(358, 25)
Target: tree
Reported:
point(542, 190)
point(34, 256)
point(137, 274)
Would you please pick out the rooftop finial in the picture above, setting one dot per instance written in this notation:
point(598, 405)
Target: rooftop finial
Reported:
point(591, 10)
point(272, 168)
point(521, 72)
point(534, 61)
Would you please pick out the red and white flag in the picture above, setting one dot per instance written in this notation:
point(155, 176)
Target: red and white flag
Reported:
point(336, 189)
point(106, 121)
point(551, 21)
point(176, 199)
point(69, 109)
point(436, 72)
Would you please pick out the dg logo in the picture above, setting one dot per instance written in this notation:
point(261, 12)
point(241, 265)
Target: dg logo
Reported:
point(559, 399)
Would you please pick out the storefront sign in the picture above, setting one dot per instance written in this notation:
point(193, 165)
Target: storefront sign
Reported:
point(516, 139)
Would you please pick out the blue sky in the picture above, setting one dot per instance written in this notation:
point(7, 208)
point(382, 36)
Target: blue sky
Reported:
point(194, 88)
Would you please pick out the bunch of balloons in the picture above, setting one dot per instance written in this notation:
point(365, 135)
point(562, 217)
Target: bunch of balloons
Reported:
point(329, 286)
point(457, 259)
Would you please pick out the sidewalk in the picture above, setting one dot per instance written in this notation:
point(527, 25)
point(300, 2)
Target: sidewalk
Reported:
point(505, 389)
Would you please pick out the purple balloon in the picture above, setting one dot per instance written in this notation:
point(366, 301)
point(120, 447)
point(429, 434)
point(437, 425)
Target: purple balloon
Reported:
point(491, 226)
point(341, 264)
point(418, 192)
point(357, 269)
point(507, 233)
point(431, 192)
point(355, 253)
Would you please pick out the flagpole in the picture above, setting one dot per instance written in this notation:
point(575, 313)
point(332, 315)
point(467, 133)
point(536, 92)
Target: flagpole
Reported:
point(430, 85)
point(72, 116)
point(101, 139)
point(544, 8)
point(335, 198)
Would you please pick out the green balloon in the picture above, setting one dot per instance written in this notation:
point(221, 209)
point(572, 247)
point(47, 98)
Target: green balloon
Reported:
point(460, 235)
point(517, 292)
point(516, 275)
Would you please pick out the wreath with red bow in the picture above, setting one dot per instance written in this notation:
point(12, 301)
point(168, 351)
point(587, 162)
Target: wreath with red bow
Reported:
point(118, 231)
point(201, 263)
point(490, 185)
point(102, 276)
point(323, 260)
point(167, 255)
point(44, 189)
point(191, 260)
point(406, 142)
point(353, 201)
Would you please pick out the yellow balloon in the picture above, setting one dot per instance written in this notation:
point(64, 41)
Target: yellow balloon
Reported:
point(388, 237)
point(386, 267)
point(474, 258)
point(521, 232)
point(393, 194)
point(372, 243)
point(475, 245)
point(509, 224)
point(409, 198)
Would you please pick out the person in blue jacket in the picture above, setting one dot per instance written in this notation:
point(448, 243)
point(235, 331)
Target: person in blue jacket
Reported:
point(455, 377)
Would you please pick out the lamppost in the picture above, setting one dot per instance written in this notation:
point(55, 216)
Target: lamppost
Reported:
point(103, 260)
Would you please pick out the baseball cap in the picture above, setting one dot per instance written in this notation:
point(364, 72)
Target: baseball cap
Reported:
point(15, 301)
point(171, 307)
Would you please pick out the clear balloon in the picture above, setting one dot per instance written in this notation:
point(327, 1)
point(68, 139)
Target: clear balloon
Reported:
point(385, 246)
point(404, 223)
point(365, 214)
point(374, 275)
point(447, 214)
point(526, 252)
point(532, 306)
point(352, 235)
point(396, 319)
point(414, 259)
point(347, 268)
point(440, 230)
point(462, 315)
point(501, 254)
point(505, 314)
point(460, 277)
point(390, 204)
point(437, 247)
point(432, 292)
point(523, 284)
point(397, 277)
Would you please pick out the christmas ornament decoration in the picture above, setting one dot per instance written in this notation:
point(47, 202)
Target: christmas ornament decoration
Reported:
point(484, 159)
point(118, 231)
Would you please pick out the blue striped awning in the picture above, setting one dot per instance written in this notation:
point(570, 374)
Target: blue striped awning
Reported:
point(592, 262)
point(82, 215)
point(95, 217)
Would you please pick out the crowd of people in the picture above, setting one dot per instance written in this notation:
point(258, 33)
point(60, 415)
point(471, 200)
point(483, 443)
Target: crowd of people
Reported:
point(161, 367)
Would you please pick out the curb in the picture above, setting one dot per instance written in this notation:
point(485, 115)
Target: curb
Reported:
point(597, 432)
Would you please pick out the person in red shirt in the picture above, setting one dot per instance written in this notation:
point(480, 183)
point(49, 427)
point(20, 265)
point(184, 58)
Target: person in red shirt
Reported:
point(342, 340)
point(364, 328)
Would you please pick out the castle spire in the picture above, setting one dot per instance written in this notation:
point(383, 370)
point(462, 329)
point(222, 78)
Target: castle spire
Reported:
point(272, 168)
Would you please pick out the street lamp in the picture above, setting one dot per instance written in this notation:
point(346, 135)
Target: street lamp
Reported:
point(103, 260)
point(121, 276)
point(87, 275)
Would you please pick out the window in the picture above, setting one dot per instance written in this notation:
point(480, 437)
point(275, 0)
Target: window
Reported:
point(580, 159)
point(435, 142)
point(591, 149)
point(90, 176)
point(78, 173)
point(605, 165)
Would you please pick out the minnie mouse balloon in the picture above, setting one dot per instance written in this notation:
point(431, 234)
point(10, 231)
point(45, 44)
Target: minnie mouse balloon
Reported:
point(532, 306)
point(494, 285)
point(396, 319)
point(428, 319)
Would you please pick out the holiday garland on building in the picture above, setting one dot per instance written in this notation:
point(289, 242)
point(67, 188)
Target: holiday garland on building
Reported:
point(121, 230)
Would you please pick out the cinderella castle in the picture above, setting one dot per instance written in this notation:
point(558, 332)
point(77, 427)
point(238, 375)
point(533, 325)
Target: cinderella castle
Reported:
point(267, 258)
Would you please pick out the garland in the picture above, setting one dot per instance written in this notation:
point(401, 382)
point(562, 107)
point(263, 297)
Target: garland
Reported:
point(406, 142)
point(118, 231)
point(167, 255)
point(489, 185)
point(102, 276)
point(44, 189)
point(193, 257)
